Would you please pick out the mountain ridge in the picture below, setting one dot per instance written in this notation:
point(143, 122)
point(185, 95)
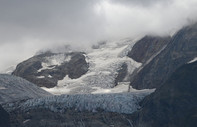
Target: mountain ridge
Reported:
point(14, 88)
point(174, 103)
point(181, 49)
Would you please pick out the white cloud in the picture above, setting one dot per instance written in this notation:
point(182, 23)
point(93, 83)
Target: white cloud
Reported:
point(28, 26)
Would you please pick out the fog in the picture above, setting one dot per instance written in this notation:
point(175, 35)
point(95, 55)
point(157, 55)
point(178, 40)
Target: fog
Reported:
point(29, 26)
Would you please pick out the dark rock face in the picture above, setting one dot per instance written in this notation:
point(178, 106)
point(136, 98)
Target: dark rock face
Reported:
point(174, 104)
point(122, 73)
point(56, 67)
point(4, 118)
point(72, 118)
point(181, 49)
point(145, 48)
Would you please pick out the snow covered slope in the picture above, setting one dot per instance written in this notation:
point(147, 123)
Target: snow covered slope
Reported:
point(13, 89)
point(105, 59)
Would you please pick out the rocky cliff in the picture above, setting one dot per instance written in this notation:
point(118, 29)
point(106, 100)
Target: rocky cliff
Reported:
point(181, 49)
point(46, 69)
point(147, 47)
point(174, 104)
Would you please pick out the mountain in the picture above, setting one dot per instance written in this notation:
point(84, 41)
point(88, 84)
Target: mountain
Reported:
point(147, 47)
point(101, 93)
point(174, 104)
point(99, 70)
point(46, 69)
point(181, 49)
point(13, 89)
point(4, 118)
point(93, 88)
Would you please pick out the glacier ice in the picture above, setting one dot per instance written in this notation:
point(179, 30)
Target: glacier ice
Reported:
point(104, 61)
point(114, 102)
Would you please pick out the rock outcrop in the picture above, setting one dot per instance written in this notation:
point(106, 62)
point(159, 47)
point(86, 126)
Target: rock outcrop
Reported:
point(147, 47)
point(181, 49)
point(174, 104)
point(122, 73)
point(46, 69)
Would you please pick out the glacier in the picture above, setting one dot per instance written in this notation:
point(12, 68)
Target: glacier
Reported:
point(119, 102)
point(104, 61)
point(94, 90)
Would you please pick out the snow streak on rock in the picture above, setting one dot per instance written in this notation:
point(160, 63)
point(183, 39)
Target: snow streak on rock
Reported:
point(195, 59)
point(52, 61)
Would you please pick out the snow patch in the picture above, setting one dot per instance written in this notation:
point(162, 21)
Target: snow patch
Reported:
point(194, 60)
point(2, 88)
point(120, 88)
point(62, 82)
point(57, 90)
point(40, 77)
point(50, 76)
point(24, 122)
point(53, 61)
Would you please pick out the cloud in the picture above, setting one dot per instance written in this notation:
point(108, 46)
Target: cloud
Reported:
point(28, 26)
point(133, 18)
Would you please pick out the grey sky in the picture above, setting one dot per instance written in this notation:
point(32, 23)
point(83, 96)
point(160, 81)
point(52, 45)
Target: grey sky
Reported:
point(27, 26)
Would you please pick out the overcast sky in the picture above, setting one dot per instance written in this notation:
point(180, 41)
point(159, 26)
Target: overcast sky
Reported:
point(27, 26)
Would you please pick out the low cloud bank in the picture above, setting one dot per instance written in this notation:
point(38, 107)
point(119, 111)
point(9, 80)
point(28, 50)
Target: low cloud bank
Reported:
point(29, 26)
